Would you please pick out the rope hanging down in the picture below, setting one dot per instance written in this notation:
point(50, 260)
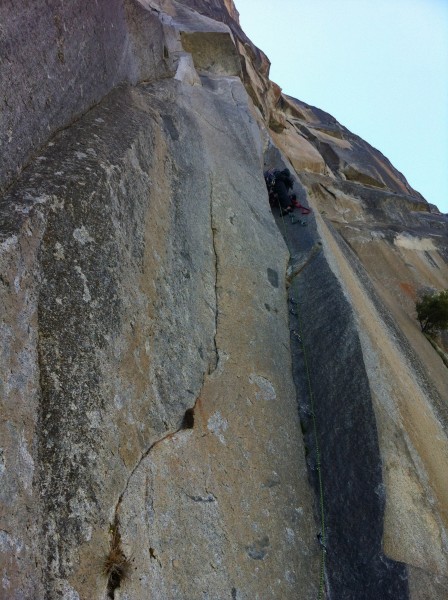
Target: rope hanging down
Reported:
point(322, 536)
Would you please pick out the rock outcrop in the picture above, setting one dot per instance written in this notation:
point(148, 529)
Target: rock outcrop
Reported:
point(200, 398)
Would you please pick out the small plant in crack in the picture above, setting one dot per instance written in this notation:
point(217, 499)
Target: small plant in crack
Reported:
point(116, 566)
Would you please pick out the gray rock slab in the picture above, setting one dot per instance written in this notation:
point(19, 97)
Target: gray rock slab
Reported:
point(60, 59)
point(154, 254)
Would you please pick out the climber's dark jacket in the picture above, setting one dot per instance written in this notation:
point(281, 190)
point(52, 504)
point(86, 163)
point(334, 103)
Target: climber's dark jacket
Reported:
point(283, 182)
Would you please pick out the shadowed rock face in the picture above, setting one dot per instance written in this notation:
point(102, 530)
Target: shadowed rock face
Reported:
point(60, 59)
point(180, 396)
point(330, 374)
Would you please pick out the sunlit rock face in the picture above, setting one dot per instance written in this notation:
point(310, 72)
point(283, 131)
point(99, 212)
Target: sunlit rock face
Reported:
point(189, 381)
point(385, 245)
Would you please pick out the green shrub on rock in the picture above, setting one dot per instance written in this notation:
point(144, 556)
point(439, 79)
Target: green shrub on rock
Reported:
point(432, 312)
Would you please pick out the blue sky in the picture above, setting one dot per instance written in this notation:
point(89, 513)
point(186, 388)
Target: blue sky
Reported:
point(380, 67)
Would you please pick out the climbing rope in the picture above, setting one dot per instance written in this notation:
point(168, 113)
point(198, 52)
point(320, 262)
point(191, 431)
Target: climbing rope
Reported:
point(318, 462)
point(322, 537)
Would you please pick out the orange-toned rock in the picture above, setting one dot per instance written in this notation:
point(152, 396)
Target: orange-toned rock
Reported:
point(301, 153)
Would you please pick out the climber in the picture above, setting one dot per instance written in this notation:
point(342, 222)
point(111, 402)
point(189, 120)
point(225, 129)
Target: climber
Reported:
point(278, 183)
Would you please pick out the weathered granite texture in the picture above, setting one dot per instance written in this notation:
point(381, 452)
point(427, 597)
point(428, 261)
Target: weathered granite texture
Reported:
point(384, 244)
point(139, 252)
point(168, 371)
point(59, 59)
point(347, 436)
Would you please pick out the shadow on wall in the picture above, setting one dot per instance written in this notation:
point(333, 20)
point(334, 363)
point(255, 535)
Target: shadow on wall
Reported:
point(327, 355)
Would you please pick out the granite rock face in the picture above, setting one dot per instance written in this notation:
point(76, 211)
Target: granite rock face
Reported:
point(199, 398)
point(385, 245)
point(58, 60)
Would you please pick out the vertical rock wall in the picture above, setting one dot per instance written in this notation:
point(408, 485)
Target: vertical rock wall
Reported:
point(156, 404)
point(153, 321)
point(384, 244)
point(59, 59)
